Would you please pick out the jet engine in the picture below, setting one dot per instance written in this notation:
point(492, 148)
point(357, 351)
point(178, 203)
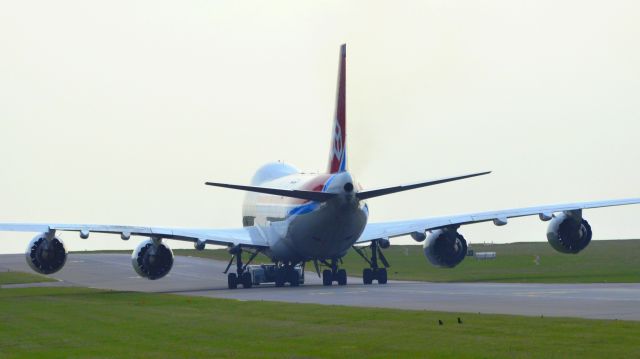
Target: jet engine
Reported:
point(419, 236)
point(568, 232)
point(46, 256)
point(445, 248)
point(152, 259)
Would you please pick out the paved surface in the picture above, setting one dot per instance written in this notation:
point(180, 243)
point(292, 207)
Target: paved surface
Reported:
point(203, 277)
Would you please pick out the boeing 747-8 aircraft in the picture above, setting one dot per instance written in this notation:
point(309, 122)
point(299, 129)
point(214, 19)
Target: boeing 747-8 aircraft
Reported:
point(294, 218)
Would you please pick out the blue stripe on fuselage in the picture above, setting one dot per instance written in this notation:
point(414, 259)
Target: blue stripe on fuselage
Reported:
point(326, 185)
point(305, 208)
point(309, 206)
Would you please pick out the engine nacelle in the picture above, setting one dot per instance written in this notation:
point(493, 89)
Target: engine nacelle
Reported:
point(46, 256)
point(418, 236)
point(569, 233)
point(199, 245)
point(152, 259)
point(445, 248)
point(384, 243)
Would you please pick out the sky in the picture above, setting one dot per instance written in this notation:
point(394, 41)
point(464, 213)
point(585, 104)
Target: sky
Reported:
point(117, 112)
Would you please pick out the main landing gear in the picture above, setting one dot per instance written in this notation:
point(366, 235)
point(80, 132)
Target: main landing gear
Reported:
point(374, 272)
point(334, 274)
point(242, 276)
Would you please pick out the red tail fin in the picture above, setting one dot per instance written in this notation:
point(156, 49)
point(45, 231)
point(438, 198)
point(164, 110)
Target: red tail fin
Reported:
point(338, 154)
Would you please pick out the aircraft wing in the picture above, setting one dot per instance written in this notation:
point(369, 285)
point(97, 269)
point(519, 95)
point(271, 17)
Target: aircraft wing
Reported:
point(246, 236)
point(379, 230)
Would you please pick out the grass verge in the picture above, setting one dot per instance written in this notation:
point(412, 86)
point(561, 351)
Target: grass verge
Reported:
point(21, 277)
point(79, 322)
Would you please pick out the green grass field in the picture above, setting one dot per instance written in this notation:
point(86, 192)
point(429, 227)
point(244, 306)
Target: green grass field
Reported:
point(79, 322)
point(20, 277)
point(601, 262)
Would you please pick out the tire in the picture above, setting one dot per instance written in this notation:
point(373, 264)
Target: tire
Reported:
point(327, 277)
point(342, 277)
point(280, 277)
point(232, 280)
point(294, 278)
point(247, 281)
point(381, 275)
point(367, 276)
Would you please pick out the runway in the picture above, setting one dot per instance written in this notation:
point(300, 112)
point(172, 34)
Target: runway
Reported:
point(203, 277)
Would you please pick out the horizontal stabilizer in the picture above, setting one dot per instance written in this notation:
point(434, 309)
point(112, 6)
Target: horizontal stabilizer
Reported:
point(388, 190)
point(308, 195)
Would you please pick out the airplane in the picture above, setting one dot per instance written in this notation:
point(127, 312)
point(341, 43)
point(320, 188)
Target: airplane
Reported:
point(294, 217)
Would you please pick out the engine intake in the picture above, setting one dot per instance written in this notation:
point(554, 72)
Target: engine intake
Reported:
point(152, 259)
point(46, 256)
point(445, 248)
point(569, 233)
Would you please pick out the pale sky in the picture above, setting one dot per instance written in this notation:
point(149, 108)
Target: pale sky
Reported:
point(117, 112)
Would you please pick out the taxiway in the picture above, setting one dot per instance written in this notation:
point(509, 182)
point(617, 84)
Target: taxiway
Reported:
point(203, 277)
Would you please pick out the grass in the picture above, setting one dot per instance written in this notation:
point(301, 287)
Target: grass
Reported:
point(601, 262)
point(20, 278)
point(80, 322)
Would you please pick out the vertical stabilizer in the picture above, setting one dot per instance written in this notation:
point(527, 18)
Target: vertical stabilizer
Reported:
point(338, 153)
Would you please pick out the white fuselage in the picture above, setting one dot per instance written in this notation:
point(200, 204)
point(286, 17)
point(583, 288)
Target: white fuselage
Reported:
point(299, 230)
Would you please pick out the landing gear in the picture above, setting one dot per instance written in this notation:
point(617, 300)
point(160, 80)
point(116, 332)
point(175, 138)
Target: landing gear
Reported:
point(367, 276)
point(374, 272)
point(232, 280)
point(294, 277)
point(280, 277)
point(380, 275)
point(334, 274)
point(327, 277)
point(241, 276)
point(247, 281)
point(341, 277)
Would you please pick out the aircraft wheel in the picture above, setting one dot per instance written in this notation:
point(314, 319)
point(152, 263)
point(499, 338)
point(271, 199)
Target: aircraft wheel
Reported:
point(247, 282)
point(327, 277)
point(342, 277)
point(381, 275)
point(232, 280)
point(280, 277)
point(294, 278)
point(367, 276)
